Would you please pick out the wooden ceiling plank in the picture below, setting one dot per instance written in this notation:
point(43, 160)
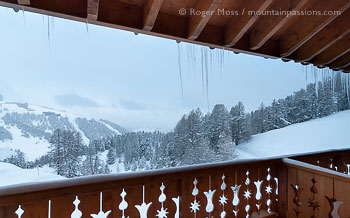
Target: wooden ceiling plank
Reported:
point(308, 26)
point(92, 9)
point(329, 35)
point(150, 13)
point(240, 24)
point(268, 26)
point(341, 62)
point(23, 2)
point(334, 52)
point(198, 22)
point(346, 69)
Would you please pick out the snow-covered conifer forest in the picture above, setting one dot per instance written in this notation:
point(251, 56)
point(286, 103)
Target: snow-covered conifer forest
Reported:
point(78, 146)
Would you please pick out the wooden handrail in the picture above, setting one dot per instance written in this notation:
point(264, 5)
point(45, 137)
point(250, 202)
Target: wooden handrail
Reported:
point(315, 169)
point(261, 184)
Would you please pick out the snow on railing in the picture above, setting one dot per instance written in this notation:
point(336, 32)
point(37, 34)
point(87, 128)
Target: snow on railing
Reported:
point(247, 188)
point(233, 190)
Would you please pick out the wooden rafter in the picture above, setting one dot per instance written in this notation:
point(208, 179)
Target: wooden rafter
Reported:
point(92, 13)
point(311, 39)
point(266, 27)
point(308, 26)
point(23, 2)
point(346, 69)
point(334, 52)
point(341, 62)
point(150, 13)
point(332, 33)
point(239, 25)
point(198, 22)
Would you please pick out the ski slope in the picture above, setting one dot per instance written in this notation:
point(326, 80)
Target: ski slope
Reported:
point(29, 125)
point(331, 132)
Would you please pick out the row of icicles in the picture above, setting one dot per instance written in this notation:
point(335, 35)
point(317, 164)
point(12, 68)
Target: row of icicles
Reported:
point(207, 60)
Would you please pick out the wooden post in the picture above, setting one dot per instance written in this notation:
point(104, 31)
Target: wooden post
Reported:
point(282, 206)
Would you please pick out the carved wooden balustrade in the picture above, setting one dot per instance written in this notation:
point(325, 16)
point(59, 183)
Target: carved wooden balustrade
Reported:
point(338, 160)
point(280, 187)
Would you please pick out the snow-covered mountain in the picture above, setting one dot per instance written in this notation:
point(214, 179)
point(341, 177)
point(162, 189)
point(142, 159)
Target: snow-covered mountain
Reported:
point(28, 128)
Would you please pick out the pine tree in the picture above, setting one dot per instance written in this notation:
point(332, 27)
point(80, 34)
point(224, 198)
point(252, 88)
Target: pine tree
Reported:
point(217, 126)
point(239, 126)
point(111, 156)
point(57, 152)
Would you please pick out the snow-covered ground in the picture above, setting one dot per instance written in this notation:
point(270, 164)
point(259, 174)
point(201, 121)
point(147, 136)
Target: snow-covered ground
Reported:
point(331, 132)
point(11, 174)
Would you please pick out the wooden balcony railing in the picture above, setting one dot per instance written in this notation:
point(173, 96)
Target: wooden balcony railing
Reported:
point(280, 187)
point(336, 160)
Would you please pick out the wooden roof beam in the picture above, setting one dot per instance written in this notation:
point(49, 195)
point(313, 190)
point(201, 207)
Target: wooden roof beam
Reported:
point(198, 22)
point(150, 12)
point(23, 2)
point(268, 26)
point(334, 52)
point(346, 69)
point(240, 24)
point(332, 33)
point(308, 26)
point(92, 13)
point(340, 63)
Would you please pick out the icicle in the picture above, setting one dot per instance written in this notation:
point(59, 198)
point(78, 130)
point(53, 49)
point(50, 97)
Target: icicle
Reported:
point(202, 63)
point(48, 31)
point(179, 62)
point(189, 57)
point(206, 76)
point(305, 70)
point(24, 18)
point(53, 23)
point(87, 26)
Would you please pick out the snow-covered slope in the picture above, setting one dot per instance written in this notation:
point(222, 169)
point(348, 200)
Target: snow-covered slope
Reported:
point(330, 132)
point(12, 174)
point(28, 128)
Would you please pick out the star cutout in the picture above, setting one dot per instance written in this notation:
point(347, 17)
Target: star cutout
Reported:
point(195, 206)
point(223, 200)
point(247, 194)
point(162, 213)
point(268, 189)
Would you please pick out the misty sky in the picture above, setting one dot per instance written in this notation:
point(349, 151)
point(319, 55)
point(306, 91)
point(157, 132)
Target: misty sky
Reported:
point(130, 79)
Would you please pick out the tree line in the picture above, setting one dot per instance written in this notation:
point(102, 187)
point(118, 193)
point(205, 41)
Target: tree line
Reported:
point(197, 137)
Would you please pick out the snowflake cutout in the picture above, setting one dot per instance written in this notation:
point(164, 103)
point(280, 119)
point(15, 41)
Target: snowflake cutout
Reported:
point(162, 213)
point(247, 194)
point(195, 206)
point(223, 200)
point(268, 189)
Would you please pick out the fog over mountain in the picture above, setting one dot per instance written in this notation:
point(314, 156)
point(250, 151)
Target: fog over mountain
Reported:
point(23, 125)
